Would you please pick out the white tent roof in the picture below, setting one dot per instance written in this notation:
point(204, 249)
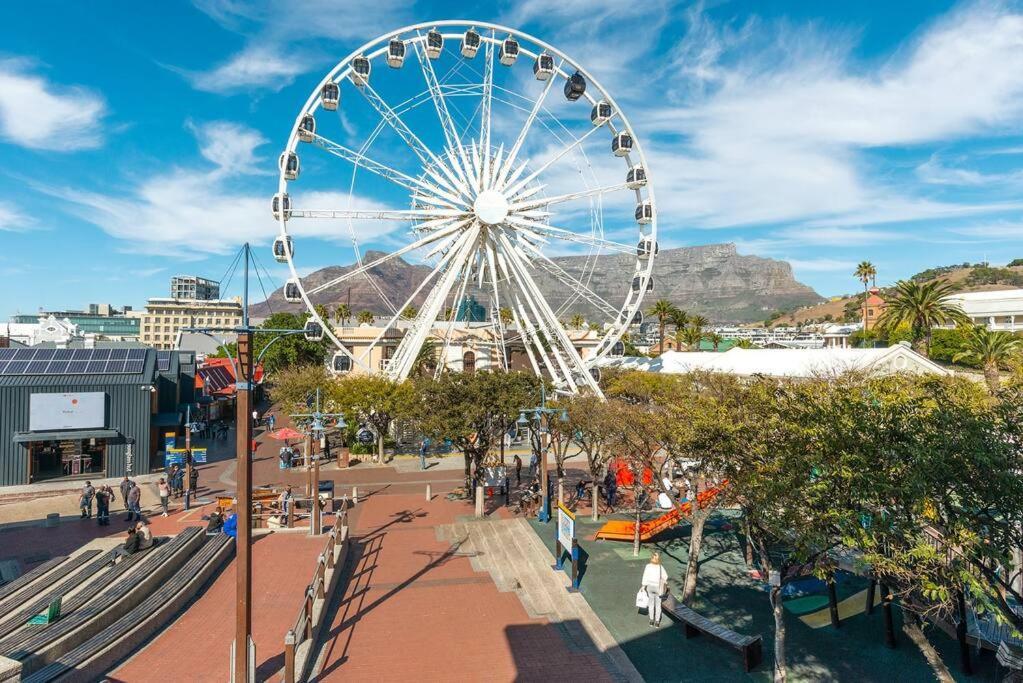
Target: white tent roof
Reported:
point(795, 363)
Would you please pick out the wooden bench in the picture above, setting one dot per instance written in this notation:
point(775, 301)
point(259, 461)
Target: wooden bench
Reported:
point(17, 584)
point(751, 647)
point(18, 595)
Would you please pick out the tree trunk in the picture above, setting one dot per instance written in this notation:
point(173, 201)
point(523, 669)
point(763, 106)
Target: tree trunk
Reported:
point(941, 671)
point(992, 377)
point(886, 609)
point(693, 564)
point(660, 335)
point(468, 470)
point(836, 622)
point(635, 531)
point(779, 634)
point(380, 448)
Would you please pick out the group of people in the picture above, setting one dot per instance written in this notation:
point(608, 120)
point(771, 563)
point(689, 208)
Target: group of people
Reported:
point(103, 496)
point(287, 456)
point(140, 537)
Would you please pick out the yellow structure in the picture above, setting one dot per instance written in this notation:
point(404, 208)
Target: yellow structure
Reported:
point(164, 318)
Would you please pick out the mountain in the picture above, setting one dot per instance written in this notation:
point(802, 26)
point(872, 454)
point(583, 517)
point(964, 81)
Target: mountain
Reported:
point(712, 280)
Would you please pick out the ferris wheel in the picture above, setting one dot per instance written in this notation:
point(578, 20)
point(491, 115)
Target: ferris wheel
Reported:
point(497, 165)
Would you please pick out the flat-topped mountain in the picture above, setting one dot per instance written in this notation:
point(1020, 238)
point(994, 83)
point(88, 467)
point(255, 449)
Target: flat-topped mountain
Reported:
point(713, 280)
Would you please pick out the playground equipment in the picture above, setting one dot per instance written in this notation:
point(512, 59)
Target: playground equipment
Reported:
point(620, 530)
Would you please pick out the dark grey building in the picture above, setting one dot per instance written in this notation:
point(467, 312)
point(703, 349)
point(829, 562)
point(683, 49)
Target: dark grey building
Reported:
point(80, 412)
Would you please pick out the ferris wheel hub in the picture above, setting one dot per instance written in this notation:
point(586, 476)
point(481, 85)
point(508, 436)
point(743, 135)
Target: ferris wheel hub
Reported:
point(490, 207)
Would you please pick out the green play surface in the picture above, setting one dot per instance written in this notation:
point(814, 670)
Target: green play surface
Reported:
point(726, 594)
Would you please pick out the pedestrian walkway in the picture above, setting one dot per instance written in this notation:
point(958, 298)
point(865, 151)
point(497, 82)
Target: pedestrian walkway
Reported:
point(409, 592)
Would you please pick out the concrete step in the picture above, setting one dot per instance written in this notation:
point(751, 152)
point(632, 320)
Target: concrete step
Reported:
point(497, 560)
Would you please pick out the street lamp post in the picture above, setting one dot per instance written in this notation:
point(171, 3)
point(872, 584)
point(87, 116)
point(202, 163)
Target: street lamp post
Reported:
point(316, 429)
point(540, 423)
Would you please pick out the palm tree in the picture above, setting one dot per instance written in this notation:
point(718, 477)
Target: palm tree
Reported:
point(698, 321)
point(866, 272)
point(321, 311)
point(342, 314)
point(742, 344)
point(410, 312)
point(426, 359)
point(715, 339)
point(691, 337)
point(990, 350)
point(577, 322)
point(922, 306)
point(364, 317)
point(663, 310)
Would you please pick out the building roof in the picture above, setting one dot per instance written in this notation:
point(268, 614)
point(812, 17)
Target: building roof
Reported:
point(996, 295)
point(792, 363)
point(145, 377)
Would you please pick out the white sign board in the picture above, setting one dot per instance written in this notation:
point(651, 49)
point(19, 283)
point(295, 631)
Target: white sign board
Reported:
point(566, 528)
point(49, 412)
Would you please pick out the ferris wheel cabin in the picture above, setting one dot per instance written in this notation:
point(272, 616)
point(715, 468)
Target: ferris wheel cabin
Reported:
point(434, 44)
point(637, 283)
point(618, 349)
point(509, 51)
point(283, 248)
point(595, 374)
point(288, 163)
point(292, 294)
point(575, 86)
point(340, 363)
point(621, 144)
point(330, 96)
point(470, 44)
point(646, 248)
point(307, 128)
point(644, 212)
point(361, 69)
point(275, 206)
point(313, 331)
point(601, 113)
point(635, 178)
point(395, 53)
point(543, 67)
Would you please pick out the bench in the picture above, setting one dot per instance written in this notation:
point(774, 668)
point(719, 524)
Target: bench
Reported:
point(17, 595)
point(695, 624)
point(27, 578)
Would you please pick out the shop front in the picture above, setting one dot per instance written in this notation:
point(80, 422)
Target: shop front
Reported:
point(53, 455)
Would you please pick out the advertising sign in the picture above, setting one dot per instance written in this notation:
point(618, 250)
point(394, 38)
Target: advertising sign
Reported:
point(566, 527)
point(198, 455)
point(67, 411)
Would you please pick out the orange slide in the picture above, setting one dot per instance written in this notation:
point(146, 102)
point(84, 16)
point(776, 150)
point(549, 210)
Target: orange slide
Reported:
point(619, 530)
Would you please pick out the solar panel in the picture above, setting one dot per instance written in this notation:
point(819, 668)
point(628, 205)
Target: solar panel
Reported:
point(63, 354)
point(37, 367)
point(3, 366)
point(57, 367)
point(95, 366)
point(118, 354)
point(136, 354)
point(101, 354)
point(77, 367)
point(82, 354)
point(114, 367)
point(133, 366)
point(8, 354)
point(45, 354)
point(163, 359)
point(17, 367)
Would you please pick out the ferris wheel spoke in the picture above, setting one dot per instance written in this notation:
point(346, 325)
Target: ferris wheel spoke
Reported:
point(422, 242)
point(514, 189)
point(578, 287)
point(488, 93)
point(416, 334)
point(570, 196)
point(553, 324)
point(451, 136)
point(463, 277)
point(544, 230)
point(377, 215)
point(495, 308)
point(537, 105)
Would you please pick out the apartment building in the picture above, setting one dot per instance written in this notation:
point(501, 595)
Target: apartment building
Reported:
point(194, 287)
point(164, 318)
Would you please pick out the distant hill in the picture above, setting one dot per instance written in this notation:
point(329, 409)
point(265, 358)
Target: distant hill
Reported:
point(712, 280)
point(970, 277)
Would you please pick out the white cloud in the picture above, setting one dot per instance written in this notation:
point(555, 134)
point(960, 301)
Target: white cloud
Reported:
point(40, 114)
point(13, 219)
point(281, 37)
point(231, 146)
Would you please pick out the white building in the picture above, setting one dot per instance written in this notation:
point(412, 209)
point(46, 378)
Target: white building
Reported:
point(789, 363)
point(48, 329)
point(997, 310)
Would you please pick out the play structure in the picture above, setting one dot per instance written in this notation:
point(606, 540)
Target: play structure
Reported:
point(620, 530)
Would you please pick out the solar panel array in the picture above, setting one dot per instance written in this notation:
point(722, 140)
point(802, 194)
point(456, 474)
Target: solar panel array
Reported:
point(163, 359)
point(72, 361)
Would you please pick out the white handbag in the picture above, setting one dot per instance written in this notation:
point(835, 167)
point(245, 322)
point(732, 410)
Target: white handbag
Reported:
point(642, 599)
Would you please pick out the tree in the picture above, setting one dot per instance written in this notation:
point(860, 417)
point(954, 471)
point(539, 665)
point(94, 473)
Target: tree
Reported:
point(663, 310)
point(374, 400)
point(426, 358)
point(410, 312)
point(342, 314)
point(322, 312)
point(292, 350)
point(924, 306)
point(715, 339)
point(743, 343)
point(990, 350)
point(364, 318)
point(472, 410)
point(692, 336)
point(292, 386)
point(698, 321)
point(506, 315)
point(577, 322)
point(588, 420)
point(865, 272)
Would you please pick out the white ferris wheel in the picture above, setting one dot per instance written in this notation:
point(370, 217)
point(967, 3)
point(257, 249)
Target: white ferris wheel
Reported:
point(498, 153)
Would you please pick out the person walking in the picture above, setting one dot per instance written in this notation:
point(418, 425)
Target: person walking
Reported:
point(164, 488)
point(534, 464)
point(179, 482)
point(193, 479)
point(655, 583)
point(134, 499)
point(422, 453)
point(126, 485)
point(518, 470)
point(85, 502)
point(104, 496)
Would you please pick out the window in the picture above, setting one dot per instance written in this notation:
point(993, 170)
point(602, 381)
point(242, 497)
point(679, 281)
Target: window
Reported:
point(469, 362)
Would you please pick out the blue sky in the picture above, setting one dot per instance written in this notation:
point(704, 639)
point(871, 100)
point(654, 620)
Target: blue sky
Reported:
point(137, 144)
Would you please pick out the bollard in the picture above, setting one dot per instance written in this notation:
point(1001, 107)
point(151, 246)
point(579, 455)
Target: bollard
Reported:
point(355, 495)
point(479, 502)
point(429, 493)
point(596, 501)
point(289, 657)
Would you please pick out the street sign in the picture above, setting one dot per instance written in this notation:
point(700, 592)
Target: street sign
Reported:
point(198, 455)
point(365, 437)
point(565, 542)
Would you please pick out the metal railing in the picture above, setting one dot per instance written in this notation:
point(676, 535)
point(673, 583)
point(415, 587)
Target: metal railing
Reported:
point(306, 623)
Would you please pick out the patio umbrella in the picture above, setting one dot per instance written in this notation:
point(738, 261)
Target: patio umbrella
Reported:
point(286, 434)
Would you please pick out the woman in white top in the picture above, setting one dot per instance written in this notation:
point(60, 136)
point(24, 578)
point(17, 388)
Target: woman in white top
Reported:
point(655, 583)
